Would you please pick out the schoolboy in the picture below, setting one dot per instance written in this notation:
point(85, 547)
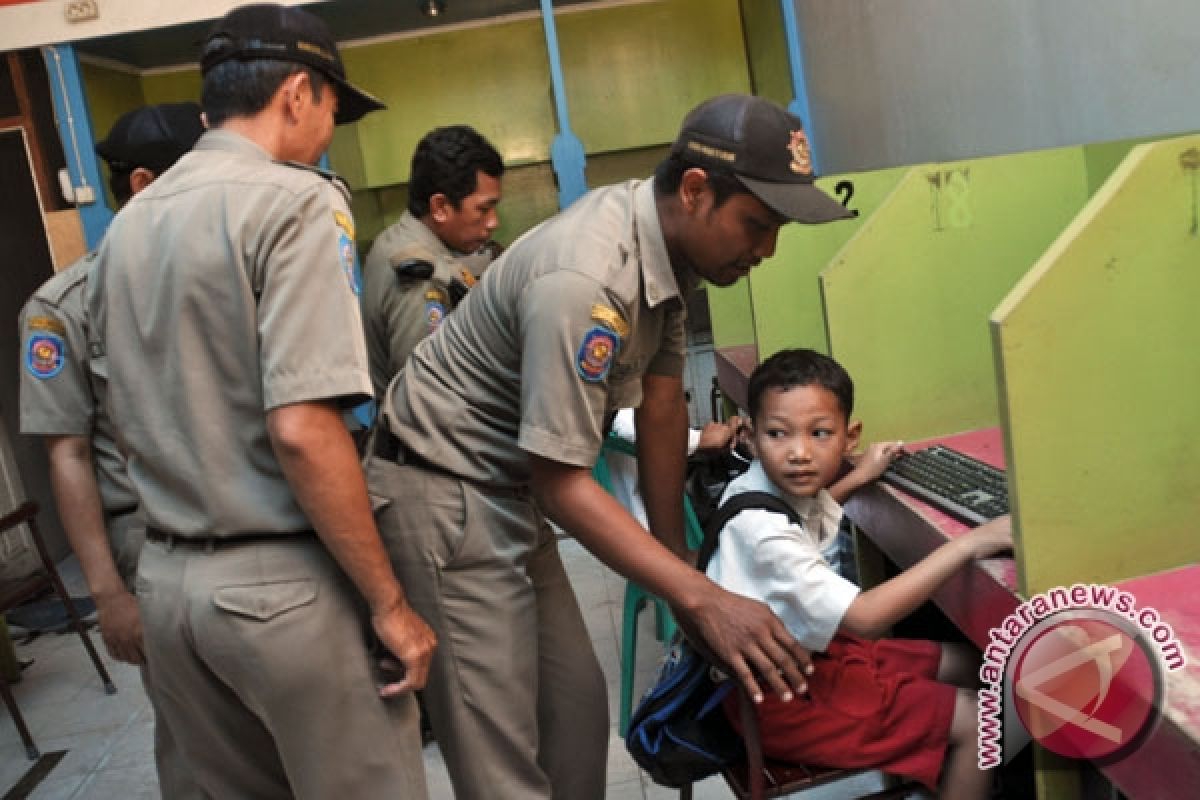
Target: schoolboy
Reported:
point(877, 703)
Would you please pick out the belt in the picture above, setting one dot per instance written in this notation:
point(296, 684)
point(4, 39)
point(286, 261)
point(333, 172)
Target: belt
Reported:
point(117, 513)
point(211, 543)
point(388, 448)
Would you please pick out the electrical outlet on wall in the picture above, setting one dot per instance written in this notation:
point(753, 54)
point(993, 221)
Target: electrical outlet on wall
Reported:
point(82, 10)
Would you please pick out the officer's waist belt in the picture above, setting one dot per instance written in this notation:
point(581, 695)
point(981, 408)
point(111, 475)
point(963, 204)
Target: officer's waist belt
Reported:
point(388, 448)
point(210, 543)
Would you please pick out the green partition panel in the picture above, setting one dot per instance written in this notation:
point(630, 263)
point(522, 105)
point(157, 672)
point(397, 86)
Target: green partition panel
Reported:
point(1098, 349)
point(732, 314)
point(908, 298)
point(785, 290)
point(766, 50)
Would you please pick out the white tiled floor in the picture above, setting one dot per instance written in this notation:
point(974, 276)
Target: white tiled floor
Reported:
point(108, 737)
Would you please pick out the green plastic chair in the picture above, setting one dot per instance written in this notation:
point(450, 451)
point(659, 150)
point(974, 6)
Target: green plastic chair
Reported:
point(636, 597)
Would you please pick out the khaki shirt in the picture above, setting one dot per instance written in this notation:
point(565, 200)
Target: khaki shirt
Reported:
point(225, 290)
point(399, 312)
point(558, 333)
point(60, 395)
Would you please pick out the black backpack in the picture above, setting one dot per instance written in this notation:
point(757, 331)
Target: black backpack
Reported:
point(678, 733)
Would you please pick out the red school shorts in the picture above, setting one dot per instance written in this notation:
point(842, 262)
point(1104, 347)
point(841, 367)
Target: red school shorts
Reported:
point(870, 705)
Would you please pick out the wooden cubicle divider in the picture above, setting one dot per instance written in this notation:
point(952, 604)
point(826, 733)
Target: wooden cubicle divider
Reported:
point(1098, 350)
point(908, 298)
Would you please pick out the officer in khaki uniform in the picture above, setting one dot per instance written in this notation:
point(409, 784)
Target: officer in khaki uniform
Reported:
point(498, 418)
point(63, 400)
point(420, 268)
point(225, 304)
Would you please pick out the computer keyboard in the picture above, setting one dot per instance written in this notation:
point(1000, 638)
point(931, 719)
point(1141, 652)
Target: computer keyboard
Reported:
point(963, 487)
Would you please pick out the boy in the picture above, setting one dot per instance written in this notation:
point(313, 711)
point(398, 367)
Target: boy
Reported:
point(888, 704)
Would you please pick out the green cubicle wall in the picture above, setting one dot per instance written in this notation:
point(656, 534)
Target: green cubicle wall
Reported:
point(1098, 349)
point(785, 291)
point(908, 298)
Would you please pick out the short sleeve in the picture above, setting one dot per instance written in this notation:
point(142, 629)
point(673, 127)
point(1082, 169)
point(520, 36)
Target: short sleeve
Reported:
point(566, 355)
point(309, 321)
point(55, 393)
point(765, 557)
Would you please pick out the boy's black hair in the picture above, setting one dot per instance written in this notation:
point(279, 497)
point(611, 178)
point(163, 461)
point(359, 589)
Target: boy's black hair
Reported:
point(789, 369)
point(448, 161)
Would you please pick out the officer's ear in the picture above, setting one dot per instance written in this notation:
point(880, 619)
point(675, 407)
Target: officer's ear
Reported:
point(140, 178)
point(441, 207)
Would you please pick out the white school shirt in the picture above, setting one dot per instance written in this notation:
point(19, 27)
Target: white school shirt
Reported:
point(762, 555)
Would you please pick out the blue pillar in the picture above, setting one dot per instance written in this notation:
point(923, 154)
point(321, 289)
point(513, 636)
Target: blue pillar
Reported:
point(799, 105)
point(566, 151)
point(78, 141)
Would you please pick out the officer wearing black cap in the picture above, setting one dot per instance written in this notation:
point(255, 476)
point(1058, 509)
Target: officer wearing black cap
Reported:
point(227, 309)
point(65, 403)
point(499, 415)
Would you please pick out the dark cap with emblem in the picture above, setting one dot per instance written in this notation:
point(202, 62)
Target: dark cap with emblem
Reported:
point(154, 137)
point(766, 149)
point(285, 33)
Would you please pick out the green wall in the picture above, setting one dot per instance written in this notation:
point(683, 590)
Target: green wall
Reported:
point(766, 50)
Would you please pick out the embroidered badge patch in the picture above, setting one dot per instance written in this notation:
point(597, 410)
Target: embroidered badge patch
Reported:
point(467, 278)
point(596, 353)
point(801, 155)
point(435, 312)
point(48, 324)
point(343, 221)
point(349, 261)
point(45, 355)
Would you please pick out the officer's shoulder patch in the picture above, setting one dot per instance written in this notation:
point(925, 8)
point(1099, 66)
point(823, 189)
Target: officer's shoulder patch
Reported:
point(45, 354)
point(40, 324)
point(596, 352)
point(344, 222)
point(435, 309)
point(611, 318)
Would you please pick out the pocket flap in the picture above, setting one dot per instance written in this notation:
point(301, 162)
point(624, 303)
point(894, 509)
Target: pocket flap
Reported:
point(265, 600)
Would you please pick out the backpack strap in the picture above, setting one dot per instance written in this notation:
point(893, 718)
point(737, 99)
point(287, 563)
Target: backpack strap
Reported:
point(730, 509)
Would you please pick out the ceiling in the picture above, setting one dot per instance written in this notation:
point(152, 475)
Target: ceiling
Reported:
point(348, 19)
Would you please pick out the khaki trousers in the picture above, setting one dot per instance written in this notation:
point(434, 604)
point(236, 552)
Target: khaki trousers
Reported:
point(516, 696)
point(260, 669)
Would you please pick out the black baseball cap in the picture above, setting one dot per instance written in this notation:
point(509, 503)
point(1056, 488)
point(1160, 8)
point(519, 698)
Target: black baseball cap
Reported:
point(154, 137)
point(767, 150)
point(285, 33)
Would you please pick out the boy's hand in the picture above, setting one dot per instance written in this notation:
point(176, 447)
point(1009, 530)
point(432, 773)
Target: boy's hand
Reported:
point(717, 436)
point(991, 538)
point(876, 459)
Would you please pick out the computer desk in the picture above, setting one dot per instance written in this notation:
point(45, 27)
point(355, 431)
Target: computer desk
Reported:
point(978, 598)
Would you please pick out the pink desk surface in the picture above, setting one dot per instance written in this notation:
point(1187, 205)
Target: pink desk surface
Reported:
point(1167, 765)
point(906, 530)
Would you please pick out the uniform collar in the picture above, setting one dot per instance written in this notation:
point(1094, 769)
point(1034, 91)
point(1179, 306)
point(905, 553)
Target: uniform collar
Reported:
point(821, 514)
point(423, 235)
point(658, 279)
point(227, 141)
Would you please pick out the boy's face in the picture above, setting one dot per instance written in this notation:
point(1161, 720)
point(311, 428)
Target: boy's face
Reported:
point(801, 436)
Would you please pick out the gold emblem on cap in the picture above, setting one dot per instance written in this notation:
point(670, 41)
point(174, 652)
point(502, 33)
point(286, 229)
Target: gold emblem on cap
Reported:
point(801, 156)
point(612, 319)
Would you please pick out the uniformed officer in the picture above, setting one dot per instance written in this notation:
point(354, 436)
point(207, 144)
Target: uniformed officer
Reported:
point(420, 268)
point(498, 417)
point(225, 299)
point(65, 403)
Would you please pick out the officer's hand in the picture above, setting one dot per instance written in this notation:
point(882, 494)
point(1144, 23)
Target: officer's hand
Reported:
point(411, 642)
point(121, 626)
point(750, 641)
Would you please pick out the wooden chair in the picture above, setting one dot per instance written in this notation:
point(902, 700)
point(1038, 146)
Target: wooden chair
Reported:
point(15, 592)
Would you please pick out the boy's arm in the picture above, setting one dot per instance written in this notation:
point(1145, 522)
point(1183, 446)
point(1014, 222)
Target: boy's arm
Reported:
point(875, 611)
point(869, 466)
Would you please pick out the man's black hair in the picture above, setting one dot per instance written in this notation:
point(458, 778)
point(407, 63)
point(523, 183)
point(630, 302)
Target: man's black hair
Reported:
point(242, 88)
point(669, 174)
point(789, 369)
point(448, 161)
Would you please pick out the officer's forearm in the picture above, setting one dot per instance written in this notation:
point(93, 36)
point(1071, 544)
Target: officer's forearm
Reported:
point(73, 478)
point(662, 430)
point(318, 458)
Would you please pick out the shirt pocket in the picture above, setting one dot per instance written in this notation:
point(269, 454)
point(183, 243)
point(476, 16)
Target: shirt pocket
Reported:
point(265, 601)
